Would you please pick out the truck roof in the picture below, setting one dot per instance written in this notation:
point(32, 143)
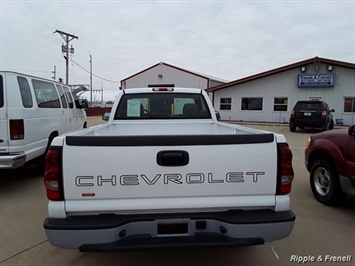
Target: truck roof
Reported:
point(162, 89)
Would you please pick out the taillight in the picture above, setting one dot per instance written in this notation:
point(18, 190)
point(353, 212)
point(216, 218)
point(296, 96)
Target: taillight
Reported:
point(53, 174)
point(293, 113)
point(285, 171)
point(17, 129)
point(324, 114)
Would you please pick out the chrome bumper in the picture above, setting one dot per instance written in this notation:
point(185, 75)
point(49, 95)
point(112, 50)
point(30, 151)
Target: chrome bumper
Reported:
point(12, 160)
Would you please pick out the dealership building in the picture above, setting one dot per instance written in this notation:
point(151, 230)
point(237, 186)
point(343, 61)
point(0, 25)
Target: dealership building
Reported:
point(268, 96)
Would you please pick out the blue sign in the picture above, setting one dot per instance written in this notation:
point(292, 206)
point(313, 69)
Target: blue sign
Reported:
point(316, 80)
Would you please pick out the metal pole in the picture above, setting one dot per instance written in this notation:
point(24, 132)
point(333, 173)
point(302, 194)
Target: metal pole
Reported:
point(54, 73)
point(90, 78)
point(67, 62)
point(67, 37)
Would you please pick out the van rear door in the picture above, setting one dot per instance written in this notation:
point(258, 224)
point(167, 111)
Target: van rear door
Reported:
point(4, 132)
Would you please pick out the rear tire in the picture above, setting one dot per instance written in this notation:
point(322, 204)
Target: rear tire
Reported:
point(326, 127)
point(292, 128)
point(325, 184)
point(331, 124)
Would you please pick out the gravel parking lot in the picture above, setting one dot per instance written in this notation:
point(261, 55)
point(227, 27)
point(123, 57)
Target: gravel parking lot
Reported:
point(320, 232)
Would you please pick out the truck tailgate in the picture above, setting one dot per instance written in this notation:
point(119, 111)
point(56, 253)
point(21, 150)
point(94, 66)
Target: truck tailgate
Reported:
point(119, 173)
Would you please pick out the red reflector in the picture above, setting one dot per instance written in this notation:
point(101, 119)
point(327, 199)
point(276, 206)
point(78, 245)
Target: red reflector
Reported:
point(17, 129)
point(286, 173)
point(163, 89)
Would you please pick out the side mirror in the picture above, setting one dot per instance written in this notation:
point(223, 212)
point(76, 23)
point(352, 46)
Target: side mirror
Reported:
point(106, 116)
point(218, 115)
point(351, 130)
point(332, 110)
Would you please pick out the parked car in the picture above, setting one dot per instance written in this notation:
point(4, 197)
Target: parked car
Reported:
point(330, 160)
point(33, 111)
point(313, 114)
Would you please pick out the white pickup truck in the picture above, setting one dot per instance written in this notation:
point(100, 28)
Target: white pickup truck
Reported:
point(164, 173)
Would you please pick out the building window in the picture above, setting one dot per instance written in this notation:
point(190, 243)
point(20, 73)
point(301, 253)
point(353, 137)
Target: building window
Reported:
point(317, 98)
point(280, 104)
point(225, 104)
point(25, 92)
point(254, 104)
point(349, 105)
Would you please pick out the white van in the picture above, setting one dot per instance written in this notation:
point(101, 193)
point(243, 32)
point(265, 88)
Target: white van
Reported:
point(32, 112)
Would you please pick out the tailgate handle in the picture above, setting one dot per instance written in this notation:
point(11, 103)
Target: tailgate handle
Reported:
point(172, 158)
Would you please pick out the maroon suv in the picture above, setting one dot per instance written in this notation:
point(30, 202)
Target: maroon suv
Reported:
point(330, 160)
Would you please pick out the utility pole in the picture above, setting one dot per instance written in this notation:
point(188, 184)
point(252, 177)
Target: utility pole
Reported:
point(90, 78)
point(54, 73)
point(67, 37)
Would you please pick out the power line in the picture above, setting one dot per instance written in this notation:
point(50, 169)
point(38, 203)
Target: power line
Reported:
point(34, 39)
point(37, 46)
point(94, 74)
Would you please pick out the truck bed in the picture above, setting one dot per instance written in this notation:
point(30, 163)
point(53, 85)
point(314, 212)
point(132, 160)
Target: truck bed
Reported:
point(131, 128)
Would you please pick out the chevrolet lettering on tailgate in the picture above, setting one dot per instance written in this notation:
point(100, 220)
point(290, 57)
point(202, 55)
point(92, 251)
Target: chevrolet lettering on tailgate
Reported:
point(192, 178)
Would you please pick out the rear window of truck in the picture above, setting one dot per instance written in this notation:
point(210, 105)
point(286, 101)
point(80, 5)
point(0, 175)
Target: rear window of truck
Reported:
point(162, 106)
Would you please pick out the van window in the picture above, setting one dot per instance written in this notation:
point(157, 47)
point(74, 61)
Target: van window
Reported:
point(25, 92)
point(62, 97)
point(46, 94)
point(1, 92)
point(69, 97)
point(76, 101)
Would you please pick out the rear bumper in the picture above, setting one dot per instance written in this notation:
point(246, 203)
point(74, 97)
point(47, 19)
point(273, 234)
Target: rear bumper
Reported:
point(12, 160)
point(132, 232)
point(308, 123)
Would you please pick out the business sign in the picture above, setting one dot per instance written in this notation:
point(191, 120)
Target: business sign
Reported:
point(316, 80)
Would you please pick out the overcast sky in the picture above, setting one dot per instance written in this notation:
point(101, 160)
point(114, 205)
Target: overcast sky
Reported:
point(225, 39)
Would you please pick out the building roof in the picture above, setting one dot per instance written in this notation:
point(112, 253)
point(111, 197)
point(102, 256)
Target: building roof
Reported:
point(180, 69)
point(282, 69)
